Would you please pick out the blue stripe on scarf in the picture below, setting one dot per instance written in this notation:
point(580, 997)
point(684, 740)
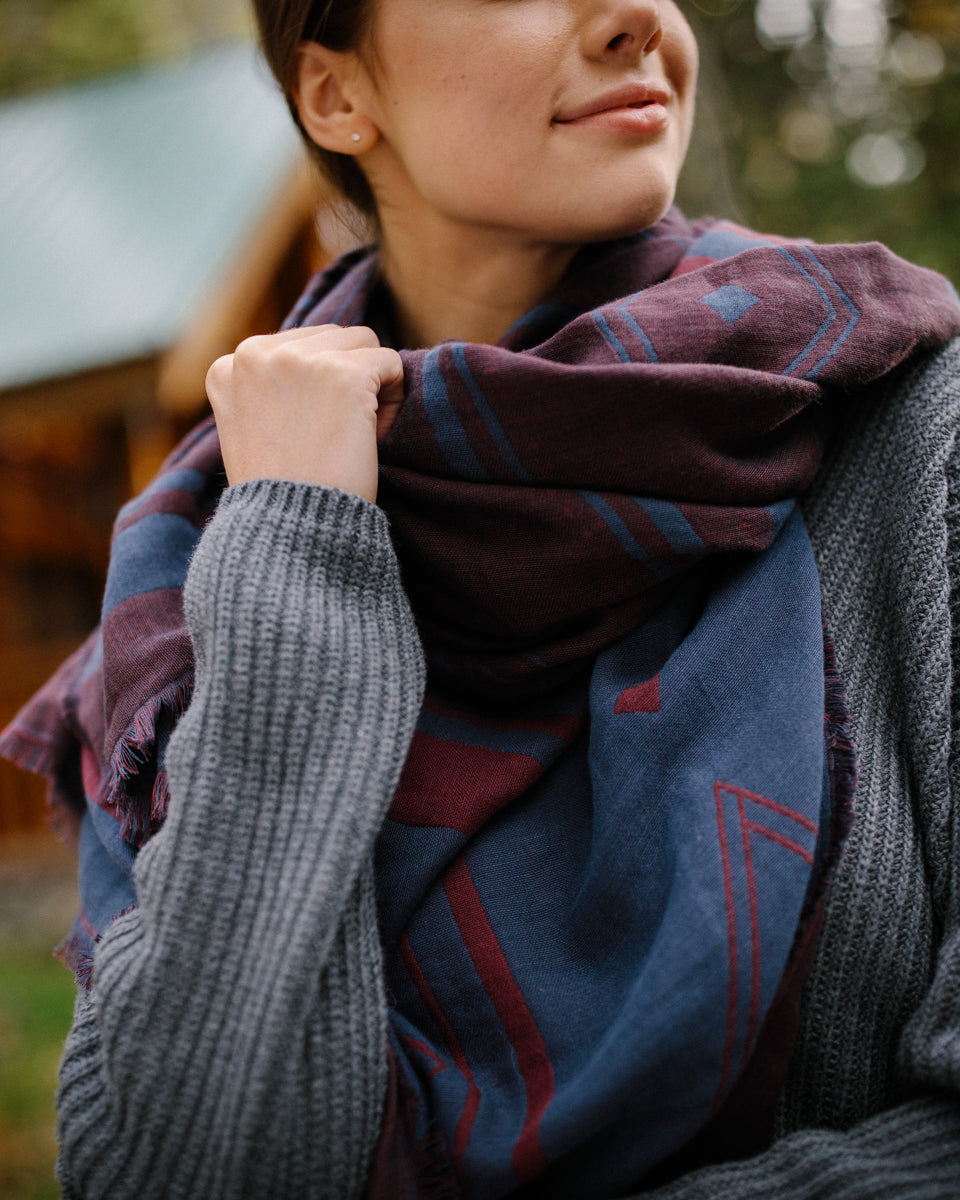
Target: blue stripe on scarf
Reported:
point(95, 661)
point(852, 324)
point(644, 340)
point(821, 332)
point(182, 479)
point(679, 534)
point(363, 277)
point(495, 429)
point(623, 535)
point(723, 243)
point(832, 317)
point(150, 555)
point(612, 340)
point(447, 427)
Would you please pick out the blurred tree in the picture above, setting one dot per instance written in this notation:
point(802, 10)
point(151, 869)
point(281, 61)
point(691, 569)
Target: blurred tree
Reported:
point(46, 42)
point(836, 119)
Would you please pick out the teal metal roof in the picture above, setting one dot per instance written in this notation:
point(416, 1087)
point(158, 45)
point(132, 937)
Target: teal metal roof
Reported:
point(122, 202)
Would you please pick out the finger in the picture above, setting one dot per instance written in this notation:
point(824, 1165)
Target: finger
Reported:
point(389, 367)
point(385, 367)
point(333, 337)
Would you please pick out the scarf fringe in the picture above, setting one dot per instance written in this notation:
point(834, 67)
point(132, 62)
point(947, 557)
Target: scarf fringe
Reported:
point(140, 814)
point(38, 757)
point(75, 955)
point(160, 797)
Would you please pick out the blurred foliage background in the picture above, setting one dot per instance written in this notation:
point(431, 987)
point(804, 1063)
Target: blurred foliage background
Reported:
point(47, 42)
point(831, 119)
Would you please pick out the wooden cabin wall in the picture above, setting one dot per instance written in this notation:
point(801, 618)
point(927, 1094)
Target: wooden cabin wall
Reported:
point(65, 470)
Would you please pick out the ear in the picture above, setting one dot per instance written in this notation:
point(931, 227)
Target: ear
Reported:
point(328, 86)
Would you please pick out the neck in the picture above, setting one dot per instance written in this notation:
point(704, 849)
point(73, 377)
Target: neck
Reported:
point(467, 285)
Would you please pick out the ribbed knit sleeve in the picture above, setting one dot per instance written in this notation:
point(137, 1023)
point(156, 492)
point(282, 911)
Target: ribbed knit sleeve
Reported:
point(233, 1042)
point(872, 1103)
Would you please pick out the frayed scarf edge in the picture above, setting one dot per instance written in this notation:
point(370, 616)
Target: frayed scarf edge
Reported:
point(75, 956)
point(39, 756)
point(135, 749)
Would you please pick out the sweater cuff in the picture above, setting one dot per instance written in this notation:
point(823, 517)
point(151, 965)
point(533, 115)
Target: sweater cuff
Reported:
point(342, 530)
point(275, 544)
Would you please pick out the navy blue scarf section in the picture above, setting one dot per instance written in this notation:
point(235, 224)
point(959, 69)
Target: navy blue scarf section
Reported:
point(588, 909)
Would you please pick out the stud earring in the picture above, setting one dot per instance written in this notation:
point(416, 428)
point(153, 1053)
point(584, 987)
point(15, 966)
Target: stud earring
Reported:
point(354, 137)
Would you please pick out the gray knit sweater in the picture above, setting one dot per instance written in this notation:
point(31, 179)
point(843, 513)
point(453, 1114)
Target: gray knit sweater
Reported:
point(233, 1043)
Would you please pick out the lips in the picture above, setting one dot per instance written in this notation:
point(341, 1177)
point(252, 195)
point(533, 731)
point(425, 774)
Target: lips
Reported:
point(629, 96)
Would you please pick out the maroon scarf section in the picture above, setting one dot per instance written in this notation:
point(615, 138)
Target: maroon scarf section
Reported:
point(706, 388)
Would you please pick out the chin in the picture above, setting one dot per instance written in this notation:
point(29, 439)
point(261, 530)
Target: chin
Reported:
point(621, 206)
point(625, 220)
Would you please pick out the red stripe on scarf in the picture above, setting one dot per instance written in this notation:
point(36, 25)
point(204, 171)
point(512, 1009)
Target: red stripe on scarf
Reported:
point(754, 926)
point(458, 786)
point(469, 1113)
point(516, 1018)
point(748, 826)
point(732, 951)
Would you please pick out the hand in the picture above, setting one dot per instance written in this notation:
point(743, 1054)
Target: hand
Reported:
point(307, 405)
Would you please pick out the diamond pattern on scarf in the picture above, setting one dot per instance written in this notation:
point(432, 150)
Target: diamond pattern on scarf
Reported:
point(731, 303)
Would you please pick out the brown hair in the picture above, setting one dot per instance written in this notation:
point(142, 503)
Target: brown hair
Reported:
point(338, 25)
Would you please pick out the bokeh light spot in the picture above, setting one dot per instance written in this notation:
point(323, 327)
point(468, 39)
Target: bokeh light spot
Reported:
point(884, 159)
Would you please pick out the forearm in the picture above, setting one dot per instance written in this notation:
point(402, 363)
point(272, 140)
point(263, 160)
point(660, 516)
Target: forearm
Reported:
point(205, 1055)
point(910, 1150)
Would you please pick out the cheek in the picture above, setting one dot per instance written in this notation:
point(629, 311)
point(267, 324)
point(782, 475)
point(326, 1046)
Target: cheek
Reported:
point(681, 55)
point(504, 77)
point(681, 60)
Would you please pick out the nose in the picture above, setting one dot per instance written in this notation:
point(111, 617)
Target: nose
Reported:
point(622, 29)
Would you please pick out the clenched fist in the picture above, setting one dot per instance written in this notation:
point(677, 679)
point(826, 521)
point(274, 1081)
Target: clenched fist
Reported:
point(306, 405)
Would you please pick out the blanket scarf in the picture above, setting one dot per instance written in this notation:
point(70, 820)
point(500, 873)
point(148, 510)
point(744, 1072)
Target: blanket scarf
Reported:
point(599, 875)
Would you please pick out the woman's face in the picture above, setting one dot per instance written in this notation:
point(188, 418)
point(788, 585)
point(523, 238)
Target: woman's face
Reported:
point(563, 121)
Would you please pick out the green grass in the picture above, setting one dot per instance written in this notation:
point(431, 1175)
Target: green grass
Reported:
point(36, 1003)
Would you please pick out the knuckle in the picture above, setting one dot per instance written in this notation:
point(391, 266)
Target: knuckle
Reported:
point(367, 334)
point(250, 348)
point(293, 355)
point(217, 373)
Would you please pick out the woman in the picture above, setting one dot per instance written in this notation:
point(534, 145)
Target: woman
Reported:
point(574, 922)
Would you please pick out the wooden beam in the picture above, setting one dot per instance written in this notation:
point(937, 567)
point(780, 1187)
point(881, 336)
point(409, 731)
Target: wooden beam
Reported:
point(101, 392)
point(229, 312)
